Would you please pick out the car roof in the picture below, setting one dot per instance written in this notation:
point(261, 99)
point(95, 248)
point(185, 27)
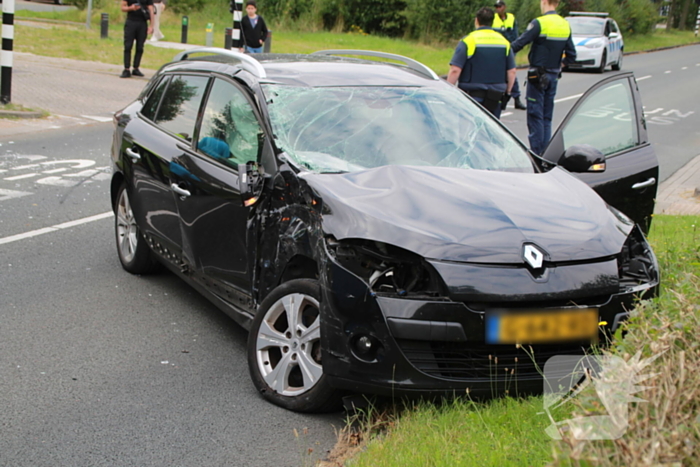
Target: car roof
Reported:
point(309, 70)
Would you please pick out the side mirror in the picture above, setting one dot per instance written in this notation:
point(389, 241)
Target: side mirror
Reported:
point(249, 181)
point(581, 158)
point(614, 35)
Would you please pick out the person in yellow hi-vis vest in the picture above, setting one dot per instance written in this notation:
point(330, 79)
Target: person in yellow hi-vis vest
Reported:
point(550, 35)
point(483, 64)
point(506, 24)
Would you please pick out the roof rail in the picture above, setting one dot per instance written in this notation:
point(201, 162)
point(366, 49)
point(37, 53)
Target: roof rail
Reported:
point(247, 63)
point(409, 62)
point(589, 13)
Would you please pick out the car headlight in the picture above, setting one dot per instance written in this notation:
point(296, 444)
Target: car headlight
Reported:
point(386, 268)
point(594, 44)
point(636, 262)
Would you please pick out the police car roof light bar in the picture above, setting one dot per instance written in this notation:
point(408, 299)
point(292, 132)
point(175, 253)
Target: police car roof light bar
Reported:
point(246, 62)
point(409, 62)
point(589, 13)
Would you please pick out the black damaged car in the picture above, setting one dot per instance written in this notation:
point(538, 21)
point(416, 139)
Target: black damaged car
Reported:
point(376, 230)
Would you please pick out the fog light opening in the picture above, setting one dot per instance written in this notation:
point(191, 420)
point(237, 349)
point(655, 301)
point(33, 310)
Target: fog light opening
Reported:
point(365, 347)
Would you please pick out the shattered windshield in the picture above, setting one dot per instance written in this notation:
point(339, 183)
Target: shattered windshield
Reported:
point(347, 129)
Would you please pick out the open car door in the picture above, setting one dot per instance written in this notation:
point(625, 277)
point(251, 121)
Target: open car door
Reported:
point(610, 118)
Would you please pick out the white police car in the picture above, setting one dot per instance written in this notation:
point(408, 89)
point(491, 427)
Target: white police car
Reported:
point(598, 41)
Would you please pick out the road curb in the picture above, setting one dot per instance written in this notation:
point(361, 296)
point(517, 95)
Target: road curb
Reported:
point(20, 114)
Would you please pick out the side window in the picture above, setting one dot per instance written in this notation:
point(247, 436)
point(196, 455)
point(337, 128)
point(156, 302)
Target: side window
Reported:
point(230, 130)
point(607, 28)
point(178, 109)
point(613, 26)
point(605, 120)
point(151, 107)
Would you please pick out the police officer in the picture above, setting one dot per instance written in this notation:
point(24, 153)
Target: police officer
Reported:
point(483, 64)
point(506, 24)
point(550, 36)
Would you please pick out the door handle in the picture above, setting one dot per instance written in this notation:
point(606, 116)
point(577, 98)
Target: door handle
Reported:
point(640, 185)
point(180, 191)
point(135, 157)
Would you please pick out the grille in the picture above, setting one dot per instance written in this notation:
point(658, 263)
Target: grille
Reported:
point(468, 361)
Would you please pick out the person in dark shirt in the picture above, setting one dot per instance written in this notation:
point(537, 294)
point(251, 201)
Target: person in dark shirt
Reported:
point(254, 29)
point(137, 27)
point(483, 64)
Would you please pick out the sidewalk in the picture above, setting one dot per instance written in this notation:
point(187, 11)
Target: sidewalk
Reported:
point(80, 93)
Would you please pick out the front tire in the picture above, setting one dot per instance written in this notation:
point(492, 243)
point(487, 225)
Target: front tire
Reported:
point(134, 253)
point(284, 349)
point(603, 62)
point(618, 66)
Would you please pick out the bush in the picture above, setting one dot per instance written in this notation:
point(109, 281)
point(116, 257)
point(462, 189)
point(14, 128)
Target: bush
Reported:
point(82, 4)
point(183, 7)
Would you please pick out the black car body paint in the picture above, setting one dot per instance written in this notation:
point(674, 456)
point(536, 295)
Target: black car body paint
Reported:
point(410, 258)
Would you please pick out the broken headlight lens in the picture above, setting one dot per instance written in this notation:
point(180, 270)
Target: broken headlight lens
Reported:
point(636, 263)
point(387, 268)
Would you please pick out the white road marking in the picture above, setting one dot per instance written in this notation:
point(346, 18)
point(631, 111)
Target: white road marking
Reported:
point(684, 68)
point(20, 177)
point(55, 228)
point(568, 98)
point(667, 72)
point(22, 167)
point(57, 181)
point(54, 171)
point(9, 194)
point(644, 77)
point(505, 114)
point(99, 119)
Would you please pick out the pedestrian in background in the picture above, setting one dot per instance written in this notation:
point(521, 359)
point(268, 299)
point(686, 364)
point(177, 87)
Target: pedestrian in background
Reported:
point(506, 24)
point(253, 28)
point(550, 35)
point(483, 64)
point(136, 28)
point(159, 8)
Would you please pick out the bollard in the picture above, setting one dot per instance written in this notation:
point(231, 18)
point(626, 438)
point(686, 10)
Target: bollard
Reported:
point(104, 25)
point(228, 38)
point(210, 34)
point(183, 37)
point(267, 45)
point(8, 37)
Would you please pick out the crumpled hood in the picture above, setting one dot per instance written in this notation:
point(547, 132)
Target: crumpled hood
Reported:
point(470, 215)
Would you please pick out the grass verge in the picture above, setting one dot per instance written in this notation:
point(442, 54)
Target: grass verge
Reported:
point(663, 430)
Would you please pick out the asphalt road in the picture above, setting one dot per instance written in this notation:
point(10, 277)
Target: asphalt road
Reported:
point(100, 367)
point(670, 94)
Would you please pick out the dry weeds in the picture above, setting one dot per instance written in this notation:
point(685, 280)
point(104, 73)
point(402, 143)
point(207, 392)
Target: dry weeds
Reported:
point(664, 430)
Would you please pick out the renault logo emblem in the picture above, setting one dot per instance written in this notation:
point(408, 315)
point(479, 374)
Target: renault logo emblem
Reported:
point(533, 256)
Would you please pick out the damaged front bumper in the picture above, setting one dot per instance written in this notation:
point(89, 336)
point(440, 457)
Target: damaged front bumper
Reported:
point(390, 345)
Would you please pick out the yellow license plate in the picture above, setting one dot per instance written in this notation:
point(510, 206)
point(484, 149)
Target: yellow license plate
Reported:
point(537, 327)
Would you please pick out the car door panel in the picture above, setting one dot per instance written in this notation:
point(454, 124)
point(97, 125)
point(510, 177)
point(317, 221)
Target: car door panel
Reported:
point(147, 159)
point(151, 142)
point(609, 117)
point(215, 222)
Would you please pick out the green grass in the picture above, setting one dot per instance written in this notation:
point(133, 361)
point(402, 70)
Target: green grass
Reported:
point(507, 432)
point(500, 433)
point(77, 42)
